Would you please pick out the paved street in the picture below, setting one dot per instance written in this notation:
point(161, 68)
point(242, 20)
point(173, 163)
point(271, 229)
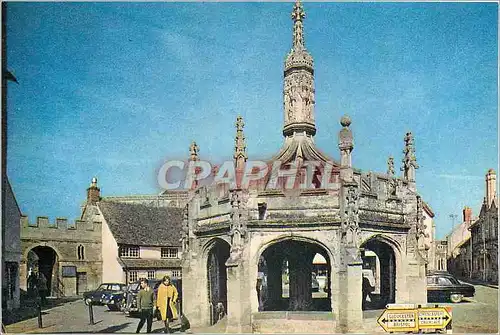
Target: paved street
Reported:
point(477, 315)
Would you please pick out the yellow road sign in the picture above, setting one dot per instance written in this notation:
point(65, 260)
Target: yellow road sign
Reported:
point(433, 318)
point(398, 320)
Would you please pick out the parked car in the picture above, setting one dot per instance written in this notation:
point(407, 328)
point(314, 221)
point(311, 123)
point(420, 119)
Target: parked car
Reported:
point(114, 299)
point(132, 290)
point(314, 283)
point(442, 285)
point(95, 297)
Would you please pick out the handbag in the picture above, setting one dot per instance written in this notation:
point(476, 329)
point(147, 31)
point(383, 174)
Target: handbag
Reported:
point(157, 314)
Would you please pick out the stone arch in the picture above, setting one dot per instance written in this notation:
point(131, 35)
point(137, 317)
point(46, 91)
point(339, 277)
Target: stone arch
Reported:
point(215, 255)
point(44, 261)
point(380, 282)
point(282, 238)
point(275, 292)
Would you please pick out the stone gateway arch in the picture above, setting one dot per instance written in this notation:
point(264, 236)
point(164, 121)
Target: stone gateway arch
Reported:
point(250, 250)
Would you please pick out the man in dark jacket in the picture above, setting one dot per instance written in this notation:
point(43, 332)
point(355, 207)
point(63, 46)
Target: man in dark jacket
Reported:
point(145, 303)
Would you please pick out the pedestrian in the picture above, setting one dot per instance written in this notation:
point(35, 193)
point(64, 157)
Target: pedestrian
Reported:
point(166, 300)
point(145, 304)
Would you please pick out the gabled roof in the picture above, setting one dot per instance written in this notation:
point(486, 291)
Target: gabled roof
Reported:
point(138, 224)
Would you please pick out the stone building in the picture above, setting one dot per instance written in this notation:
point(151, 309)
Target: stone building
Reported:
point(459, 256)
point(236, 235)
point(139, 241)
point(116, 239)
point(11, 247)
point(484, 235)
point(67, 253)
point(441, 249)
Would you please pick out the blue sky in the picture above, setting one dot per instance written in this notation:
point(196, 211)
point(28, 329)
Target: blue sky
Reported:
point(114, 89)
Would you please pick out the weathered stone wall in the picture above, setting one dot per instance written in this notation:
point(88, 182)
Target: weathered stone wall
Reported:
point(64, 238)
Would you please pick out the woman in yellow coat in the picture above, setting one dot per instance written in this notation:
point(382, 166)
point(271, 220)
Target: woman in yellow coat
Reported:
point(166, 300)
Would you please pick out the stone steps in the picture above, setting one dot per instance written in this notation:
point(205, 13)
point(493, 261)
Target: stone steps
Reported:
point(293, 322)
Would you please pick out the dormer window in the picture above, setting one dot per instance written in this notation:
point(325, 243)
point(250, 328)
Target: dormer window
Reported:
point(129, 251)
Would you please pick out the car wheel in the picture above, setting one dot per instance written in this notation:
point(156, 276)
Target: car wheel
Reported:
point(87, 301)
point(456, 298)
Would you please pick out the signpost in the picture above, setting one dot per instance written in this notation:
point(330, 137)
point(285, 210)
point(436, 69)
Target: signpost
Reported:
point(417, 319)
point(398, 320)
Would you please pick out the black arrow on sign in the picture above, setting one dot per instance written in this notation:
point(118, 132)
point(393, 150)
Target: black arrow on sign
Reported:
point(446, 317)
point(384, 320)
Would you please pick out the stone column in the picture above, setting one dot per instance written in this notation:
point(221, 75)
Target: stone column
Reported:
point(239, 309)
point(300, 280)
point(350, 296)
point(195, 293)
point(274, 284)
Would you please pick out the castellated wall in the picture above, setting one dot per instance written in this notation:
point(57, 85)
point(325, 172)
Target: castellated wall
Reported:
point(77, 246)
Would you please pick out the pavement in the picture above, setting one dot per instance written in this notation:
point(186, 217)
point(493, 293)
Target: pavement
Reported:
point(474, 315)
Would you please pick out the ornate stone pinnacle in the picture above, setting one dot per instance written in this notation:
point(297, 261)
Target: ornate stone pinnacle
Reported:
point(94, 182)
point(409, 160)
point(298, 16)
point(390, 166)
point(240, 155)
point(193, 150)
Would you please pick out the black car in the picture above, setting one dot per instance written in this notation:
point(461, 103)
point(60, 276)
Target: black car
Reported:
point(114, 299)
point(442, 285)
point(95, 297)
point(131, 294)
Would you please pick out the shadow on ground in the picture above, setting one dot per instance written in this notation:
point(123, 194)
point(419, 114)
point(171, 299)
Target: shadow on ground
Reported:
point(29, 308)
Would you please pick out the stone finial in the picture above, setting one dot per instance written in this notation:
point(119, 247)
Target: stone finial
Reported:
point(93, 192)
point(346, 143)
point(409, 160)
point(390, 166)
point(193, 151)
point(240, 147)
point(298, 16)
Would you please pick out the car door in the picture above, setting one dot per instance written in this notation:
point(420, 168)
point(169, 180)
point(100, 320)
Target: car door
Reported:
point(432, 288)
point(445, 285)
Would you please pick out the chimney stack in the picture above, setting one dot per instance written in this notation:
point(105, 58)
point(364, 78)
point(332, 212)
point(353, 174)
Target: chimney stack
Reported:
point(93, 192)
point(491, 187)
point(467, 211)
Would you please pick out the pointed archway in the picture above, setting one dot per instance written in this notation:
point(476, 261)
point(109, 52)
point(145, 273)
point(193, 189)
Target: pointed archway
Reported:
point(217, 279)
point(379, 273)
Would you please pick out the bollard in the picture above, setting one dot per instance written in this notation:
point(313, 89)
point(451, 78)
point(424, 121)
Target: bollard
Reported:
point(40, 321)
point(91, 314)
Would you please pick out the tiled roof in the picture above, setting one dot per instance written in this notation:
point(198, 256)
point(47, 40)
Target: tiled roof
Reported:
point(138, 224)
point(131, 263)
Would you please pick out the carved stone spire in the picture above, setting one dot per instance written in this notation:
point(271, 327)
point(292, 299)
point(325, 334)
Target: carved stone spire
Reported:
point(193, 151)
point(298, 91)
point(390, 166)
point(409, 160)
point(240, 155)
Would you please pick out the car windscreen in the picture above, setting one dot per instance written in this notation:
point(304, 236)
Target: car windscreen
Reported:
point(133, 287)
point(102, 287)
point(115, 287)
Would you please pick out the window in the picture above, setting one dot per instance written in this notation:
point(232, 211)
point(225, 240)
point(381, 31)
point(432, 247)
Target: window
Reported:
point(132, 276)
point(129, 251)
point(81, 252)
point(69, 271)
point(444, 281)
point(151, 274)
point(431, 280)
point(176, 273)
point(168, 252)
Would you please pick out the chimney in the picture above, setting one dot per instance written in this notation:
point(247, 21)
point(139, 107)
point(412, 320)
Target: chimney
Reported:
point(93, 192)
point(491, 187)
point(467, 211)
